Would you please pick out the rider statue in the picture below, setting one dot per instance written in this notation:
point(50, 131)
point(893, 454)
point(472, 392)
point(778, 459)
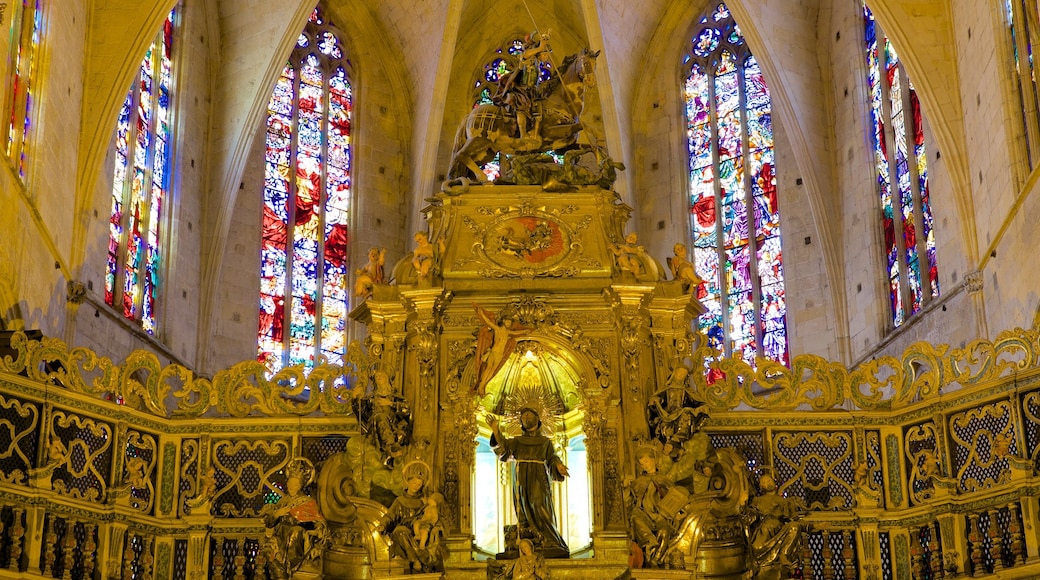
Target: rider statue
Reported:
point(517, 91)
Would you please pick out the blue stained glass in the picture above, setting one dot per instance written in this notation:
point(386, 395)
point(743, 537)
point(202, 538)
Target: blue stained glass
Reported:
point(706, 42)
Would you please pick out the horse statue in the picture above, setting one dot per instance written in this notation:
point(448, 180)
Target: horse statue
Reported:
point(490, 128)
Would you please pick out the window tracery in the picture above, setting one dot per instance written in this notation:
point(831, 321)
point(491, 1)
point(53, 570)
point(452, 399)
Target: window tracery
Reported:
point(140, 186)
point(901, 165)
point(307, 195)
point(734, 216)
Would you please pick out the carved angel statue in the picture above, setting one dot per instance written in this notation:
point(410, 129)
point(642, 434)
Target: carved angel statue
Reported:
point(370, 274)
point(682, 269)
point(425, 256)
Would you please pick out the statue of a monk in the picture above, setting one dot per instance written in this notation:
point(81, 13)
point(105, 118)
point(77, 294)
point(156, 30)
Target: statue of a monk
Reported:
point(535, 463)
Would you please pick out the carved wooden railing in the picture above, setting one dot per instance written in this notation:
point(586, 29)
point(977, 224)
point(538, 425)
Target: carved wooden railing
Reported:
point(913, 467)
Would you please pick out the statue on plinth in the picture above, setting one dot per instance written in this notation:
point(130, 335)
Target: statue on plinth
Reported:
point(536, 464)
point(370, 274)
point(554, 104)
point(683, 270)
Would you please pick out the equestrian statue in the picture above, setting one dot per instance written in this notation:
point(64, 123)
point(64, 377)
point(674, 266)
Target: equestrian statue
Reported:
point(536, 109)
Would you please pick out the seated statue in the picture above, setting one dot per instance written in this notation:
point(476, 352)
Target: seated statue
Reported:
point(652, 499)
point(413, 523)
point(385, 418)
point(682, 269)
point(296, 531)
point(776, 534)
point(371, 274)
point(633, 258)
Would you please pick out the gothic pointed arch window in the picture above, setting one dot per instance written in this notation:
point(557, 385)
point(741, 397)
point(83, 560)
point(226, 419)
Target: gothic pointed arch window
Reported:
point(901, 167)
point(734, 216)
point(141, 185)
point(306, 200)
point(27, 19)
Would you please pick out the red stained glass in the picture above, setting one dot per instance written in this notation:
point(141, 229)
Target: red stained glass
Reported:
point(304, 254)
point(142, 143)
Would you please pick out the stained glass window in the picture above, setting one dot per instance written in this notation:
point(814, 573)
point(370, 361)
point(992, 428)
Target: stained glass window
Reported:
point(1022, 17)
point(307, 185)
point(897, 130)
point(734, 215)
point(140, 186)
point(25, 48)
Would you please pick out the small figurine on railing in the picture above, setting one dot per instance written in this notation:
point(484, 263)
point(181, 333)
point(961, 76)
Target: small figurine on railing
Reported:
point(207, 488)
point(40, 477)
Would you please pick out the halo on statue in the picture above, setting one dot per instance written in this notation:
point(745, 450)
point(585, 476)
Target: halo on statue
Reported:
point(539, 399)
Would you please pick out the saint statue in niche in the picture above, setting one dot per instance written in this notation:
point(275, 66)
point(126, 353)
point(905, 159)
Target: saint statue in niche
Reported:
point(536, 464)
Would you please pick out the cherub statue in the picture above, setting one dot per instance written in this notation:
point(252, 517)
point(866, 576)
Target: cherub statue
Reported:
point(424, 256)
point(682, 269)
point(425, 523)
point(371, 274)
point(627, 254)
point(207, 488)
point(865, 492)
point(135, 476)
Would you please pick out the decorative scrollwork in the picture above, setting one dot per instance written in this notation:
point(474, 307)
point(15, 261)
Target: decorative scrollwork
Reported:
point(89, 444)
point(18, 423)
point(244, 471)
point(817, 468)
point(976, 435)
point(882, 383)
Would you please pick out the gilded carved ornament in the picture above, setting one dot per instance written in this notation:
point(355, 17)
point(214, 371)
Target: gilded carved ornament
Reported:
point(244, 389)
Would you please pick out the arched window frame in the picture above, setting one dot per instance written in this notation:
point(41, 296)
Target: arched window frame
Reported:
point(141, 185)
point(911, 265)
point(303, 318)
point(27, 23)
point(761, 308)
